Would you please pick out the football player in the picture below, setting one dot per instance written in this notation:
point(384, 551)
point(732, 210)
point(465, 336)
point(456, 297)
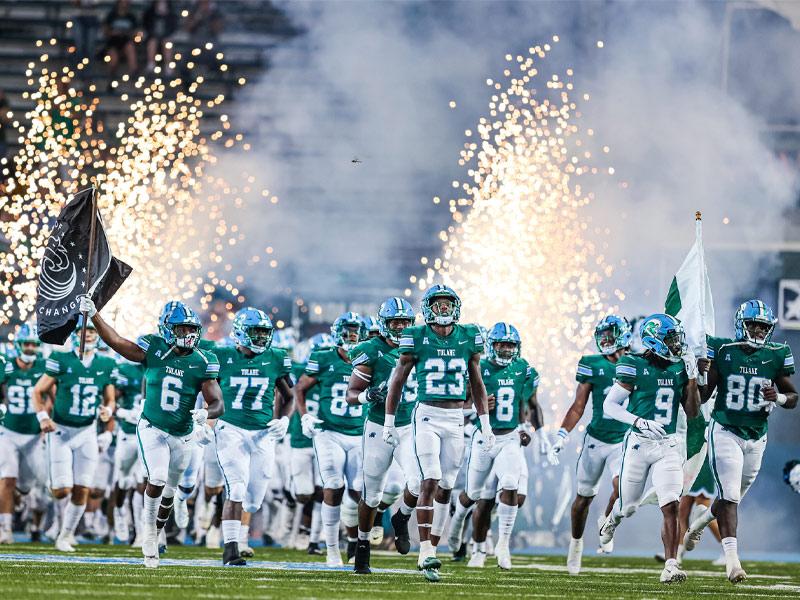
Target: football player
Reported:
point(84, 390)
point(653, 384)
point(373, 363)
point(175, 371)
point(246, 433)
point(337, 443)
point(751, 375)
point(446, 357)
point(22, 454)
point(602, 444)
point(508, 379)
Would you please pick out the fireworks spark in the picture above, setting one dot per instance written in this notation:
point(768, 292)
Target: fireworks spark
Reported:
point(518, 248)
point(161, 205)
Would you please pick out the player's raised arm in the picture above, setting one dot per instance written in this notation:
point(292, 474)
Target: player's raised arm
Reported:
point(123, 346)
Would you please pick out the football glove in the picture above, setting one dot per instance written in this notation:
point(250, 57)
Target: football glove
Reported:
point(555, 449)
point(391, 436)
point(650, 429)
point(544, 443)
point(129, 415)
point(690, 362)
point(104, 441)
point(202, 435)
point(277, 428)
point(199, 416)
point(3, 410)
point(377, 394)
point(104, 413)
point(486, 433)
point(308, 423)
point(86, 305)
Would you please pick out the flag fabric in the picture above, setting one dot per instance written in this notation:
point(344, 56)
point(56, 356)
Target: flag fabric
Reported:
point(64, 270)
point(689, 297)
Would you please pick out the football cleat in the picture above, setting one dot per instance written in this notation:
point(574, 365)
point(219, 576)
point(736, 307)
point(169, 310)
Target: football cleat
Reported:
point(603, 548)
point(231, 556)
point(607, 530)
point(36, 536)
point(737, 574)
point(63, 545)
point(333, 558)
point(162, 542)
point(313, 549)
point(6, 537)
point(213, 537)
point(477, 560)
point(150, 551)
point(376, 535)
point(672, 573)
point(503, 556)
point(245, 550)
point(362, 558)
point(121, 527)
point(692, 538)
point(181, 513)
point(401, 539)
point(460, 554)
point(151, 562)
point(430, 569)
point(574, 556)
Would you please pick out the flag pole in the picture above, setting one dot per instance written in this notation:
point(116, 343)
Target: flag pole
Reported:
point(89, 259)
point(698, 224)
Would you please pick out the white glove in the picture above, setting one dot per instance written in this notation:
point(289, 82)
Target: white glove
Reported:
point(690, 362)
point(86, 305)
point(544, 443)
point(308, 423)
point(277, 428)
point(130, 415)
point(390, 434)
point(104, 413)
point(199, 416)
point(486, 433)
point(3, 410)
point(104, 441)
point(650, 429)
point(203, 435)
point(552, 455)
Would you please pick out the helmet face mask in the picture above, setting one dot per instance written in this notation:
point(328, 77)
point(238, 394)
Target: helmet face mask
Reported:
point(92, 338)
point(612, 334)
point(754, 323)
point(348, 330)
point(394, 315)
point(441, 306)
point(252, 329)
point(504, 344)
point(27, 343)
point(182, 328)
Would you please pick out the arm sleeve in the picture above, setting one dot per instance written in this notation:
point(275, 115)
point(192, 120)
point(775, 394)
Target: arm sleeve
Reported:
point(613, 405)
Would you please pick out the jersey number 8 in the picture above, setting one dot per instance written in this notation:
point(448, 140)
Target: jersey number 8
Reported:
point(339, 406)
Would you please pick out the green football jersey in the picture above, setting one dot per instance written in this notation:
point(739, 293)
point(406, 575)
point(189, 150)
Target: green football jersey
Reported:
point(79, 388)
point(598, 371)
point(441, 362)
point(657, 392)
point(248, 385)
point(740, 407)
point(509, 385)
point(377, 354)
point(21, 415)
point(172, 383)
point(129, 383)
point(332, 373)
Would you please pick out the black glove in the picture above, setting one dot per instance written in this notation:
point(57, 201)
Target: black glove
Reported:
point(377, 394)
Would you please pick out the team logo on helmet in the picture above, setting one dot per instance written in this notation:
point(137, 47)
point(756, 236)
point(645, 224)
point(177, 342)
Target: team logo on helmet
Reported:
point(252, 329)
point(348, 330)
point(394, 309)
point(663, 335)
point(758, 316)
point(191, 328)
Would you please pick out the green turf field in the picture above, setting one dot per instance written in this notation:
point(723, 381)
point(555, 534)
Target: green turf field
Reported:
point(538, 577)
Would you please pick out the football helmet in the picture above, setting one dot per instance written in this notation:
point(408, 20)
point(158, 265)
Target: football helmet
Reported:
point(391, 309)
point(346, 324)
point(321, 341)
point(435, 314)
point(503, 332)
point(619, 328)
point(76, 335)
point(252, 329)
point(164, 312)
point(27, 333)
point(371, 326)
point(664, 336)
point(754, 311)
point(182, 315)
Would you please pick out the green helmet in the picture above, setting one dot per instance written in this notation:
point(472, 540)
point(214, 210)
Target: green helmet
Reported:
point(440, 291)
point(26, 334)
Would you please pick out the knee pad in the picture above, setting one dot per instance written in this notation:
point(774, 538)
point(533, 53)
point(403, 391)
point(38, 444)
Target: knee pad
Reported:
point(237, 490)
point(335, 482)
point(508, 482)
point(413, 486)
point(157, 481)
point(372, 498)
point(349, 513)
point(390, 498)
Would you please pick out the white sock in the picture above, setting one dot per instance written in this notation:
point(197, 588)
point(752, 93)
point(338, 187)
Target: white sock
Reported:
point(316, 523)
point(731, 548)
point(149, 515)
point(405, 509)
point(457, 520)
point(5, 521)
point(120, 514)
point(330, 524)
point(671, 562)
point(506, 515)
point(138, 505)
point(183, 495)
point(440, 512)
point(244, 534)
point(363, 535)
point(72, 515)
point(481, 546)
point(426, 549)
point(230, 530)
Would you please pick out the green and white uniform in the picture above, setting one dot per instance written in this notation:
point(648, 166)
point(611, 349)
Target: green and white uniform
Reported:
point(441, 375)
point(656, 396)
point(337, 446)
point(511, 386)
point(602, 445)
point(737, 432)
point(72, 450)
point(22, 454)
point(172, 383)
point(387, 469)
point(304, 469)
point(245, 452)
point(128, 468)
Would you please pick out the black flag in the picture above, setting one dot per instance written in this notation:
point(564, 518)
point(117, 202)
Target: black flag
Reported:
point(64, 276)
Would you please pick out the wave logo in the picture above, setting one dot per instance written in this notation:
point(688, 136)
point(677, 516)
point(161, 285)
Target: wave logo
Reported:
point(58, 276)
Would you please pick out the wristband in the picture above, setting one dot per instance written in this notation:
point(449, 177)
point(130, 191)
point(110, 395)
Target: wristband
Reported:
point(486, 425)
point(388, 420)
point(362, 397)
point(42, 415)
point(781, 399)
point(562, 433)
